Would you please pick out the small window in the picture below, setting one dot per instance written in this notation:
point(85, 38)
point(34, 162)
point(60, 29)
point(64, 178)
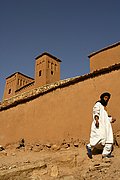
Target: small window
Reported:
point(52, 66)
point(9, 91)
point(40, 73)
point(21, 82)
point(52, 72)
point(48, 64)
point(55, 67)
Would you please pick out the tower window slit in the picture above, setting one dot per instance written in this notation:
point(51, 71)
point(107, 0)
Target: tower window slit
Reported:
point(40, 73)
point(9, 91)
point(52, 73)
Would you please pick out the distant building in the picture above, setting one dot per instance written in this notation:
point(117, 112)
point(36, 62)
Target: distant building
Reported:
point(47, 70)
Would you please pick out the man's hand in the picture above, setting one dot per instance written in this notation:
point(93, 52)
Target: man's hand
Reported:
point(97, 121)
point(113, 120)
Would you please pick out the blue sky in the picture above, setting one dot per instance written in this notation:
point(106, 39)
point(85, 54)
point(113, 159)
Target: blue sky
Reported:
point(67, 29)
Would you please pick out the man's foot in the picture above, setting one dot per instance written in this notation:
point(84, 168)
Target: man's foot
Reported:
point(107, 156)
point(89, 152)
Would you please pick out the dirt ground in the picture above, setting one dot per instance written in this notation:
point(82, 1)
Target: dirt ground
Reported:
point(54, 162)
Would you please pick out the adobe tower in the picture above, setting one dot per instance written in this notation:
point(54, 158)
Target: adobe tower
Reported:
point(47, 69)
point(15, 82)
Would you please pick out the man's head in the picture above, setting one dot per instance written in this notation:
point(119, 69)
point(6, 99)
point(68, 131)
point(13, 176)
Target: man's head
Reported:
point(104, 98)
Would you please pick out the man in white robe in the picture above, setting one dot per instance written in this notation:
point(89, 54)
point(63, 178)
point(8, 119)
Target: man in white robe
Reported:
point(101, 129)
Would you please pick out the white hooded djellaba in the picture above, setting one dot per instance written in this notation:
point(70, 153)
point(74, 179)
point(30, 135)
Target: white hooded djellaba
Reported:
point(104, 133)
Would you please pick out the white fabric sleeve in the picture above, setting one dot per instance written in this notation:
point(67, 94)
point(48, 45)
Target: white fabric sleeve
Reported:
point(96, 110)
point(110, 118)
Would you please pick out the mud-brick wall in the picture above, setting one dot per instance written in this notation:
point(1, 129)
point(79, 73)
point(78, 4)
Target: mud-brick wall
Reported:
point(60, 114)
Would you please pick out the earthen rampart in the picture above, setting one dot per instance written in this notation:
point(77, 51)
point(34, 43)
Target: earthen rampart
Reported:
point(60, 110)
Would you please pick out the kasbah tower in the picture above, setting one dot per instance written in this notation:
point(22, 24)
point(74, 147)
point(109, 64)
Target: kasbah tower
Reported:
point(47, 109)
point(47, 70)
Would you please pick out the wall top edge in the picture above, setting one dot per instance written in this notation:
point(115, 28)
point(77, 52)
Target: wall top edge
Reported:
point(20, 74)
point(48, 54)
point(103, 49)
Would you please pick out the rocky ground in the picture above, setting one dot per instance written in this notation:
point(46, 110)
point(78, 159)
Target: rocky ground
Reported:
point(55, 162)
